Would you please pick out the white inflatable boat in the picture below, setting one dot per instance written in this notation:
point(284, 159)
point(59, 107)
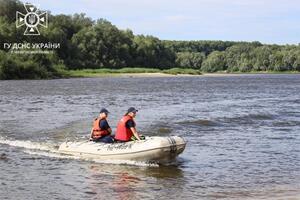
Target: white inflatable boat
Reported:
point(152, 149)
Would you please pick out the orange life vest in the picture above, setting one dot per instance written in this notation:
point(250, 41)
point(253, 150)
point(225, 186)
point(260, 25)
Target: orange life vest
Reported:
point(123, 133)
point(97, 131)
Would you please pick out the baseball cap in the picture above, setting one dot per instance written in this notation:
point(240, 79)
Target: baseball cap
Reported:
point(132, 109)
point(103, 110)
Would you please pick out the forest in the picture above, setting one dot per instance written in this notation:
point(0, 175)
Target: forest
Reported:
point(98, 44)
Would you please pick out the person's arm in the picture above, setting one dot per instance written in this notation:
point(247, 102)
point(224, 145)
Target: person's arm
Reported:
point(105, 126)
point(131, 125)
point(135, 133)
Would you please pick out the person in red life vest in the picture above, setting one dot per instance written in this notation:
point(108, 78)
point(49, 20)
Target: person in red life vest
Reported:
point(126, 129)
point(101, 130)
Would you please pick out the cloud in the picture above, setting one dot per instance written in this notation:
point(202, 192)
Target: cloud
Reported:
point(271, 21)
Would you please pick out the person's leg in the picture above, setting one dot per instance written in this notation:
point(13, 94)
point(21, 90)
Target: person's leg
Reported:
point(119, 141)
point(106, 139)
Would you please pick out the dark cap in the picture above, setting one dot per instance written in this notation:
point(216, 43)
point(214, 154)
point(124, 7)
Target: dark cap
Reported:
point(132, 109)
point(103, 110)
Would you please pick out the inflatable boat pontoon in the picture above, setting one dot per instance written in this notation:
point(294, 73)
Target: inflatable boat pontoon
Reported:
point(152, 149)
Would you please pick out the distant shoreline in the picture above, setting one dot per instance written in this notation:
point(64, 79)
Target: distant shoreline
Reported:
point(151, 72)
point(137, 72)
point(144, 72)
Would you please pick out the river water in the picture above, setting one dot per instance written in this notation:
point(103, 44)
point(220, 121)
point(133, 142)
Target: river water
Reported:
point(243, 136)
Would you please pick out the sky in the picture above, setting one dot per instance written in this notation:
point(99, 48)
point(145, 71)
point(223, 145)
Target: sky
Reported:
point(267, 21)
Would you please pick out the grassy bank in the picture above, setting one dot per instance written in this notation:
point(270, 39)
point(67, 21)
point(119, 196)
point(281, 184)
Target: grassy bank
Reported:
point(112, 72)
point(25, 72)
point(172, 71)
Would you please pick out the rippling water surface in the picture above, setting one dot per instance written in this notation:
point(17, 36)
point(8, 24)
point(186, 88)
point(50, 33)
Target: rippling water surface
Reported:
point(243, 137)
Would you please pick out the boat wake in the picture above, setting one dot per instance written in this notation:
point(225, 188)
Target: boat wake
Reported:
point(27, 144)
point(51, 150)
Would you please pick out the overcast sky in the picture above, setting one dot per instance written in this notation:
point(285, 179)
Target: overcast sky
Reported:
point(268, 21)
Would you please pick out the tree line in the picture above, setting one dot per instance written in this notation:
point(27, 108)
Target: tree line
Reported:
point(86, 43)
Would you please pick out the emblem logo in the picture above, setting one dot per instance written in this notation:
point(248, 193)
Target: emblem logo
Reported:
point(31, 19)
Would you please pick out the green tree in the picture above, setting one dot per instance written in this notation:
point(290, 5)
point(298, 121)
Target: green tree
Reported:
point(151, 52)
point(214, 62)
point(189, 59)
point(261, 58)
point(238, 57)
point(103, 45)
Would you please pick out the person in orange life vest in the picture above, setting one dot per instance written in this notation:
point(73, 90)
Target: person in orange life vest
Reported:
point(101, 130)
point(126, 129)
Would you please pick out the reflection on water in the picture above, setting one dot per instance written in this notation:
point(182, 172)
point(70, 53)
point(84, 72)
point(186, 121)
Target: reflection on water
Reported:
point(242, 131)
point(128, 182)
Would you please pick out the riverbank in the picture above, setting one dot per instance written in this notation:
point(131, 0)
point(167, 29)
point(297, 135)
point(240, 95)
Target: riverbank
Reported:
point(138, 72)
point(132, 72)
point(151, 72)
point(224, 73)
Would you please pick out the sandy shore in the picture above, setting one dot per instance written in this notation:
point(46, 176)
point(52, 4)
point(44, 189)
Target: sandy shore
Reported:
point(173, 75)
point(169, 75)
point(185, 75)
point(152, 75)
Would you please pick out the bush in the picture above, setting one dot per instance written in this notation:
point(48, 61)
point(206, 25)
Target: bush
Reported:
point(29, 67)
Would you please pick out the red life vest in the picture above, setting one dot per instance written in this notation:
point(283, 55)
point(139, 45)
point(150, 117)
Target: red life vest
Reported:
point(123, 133)
point(97, 131)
